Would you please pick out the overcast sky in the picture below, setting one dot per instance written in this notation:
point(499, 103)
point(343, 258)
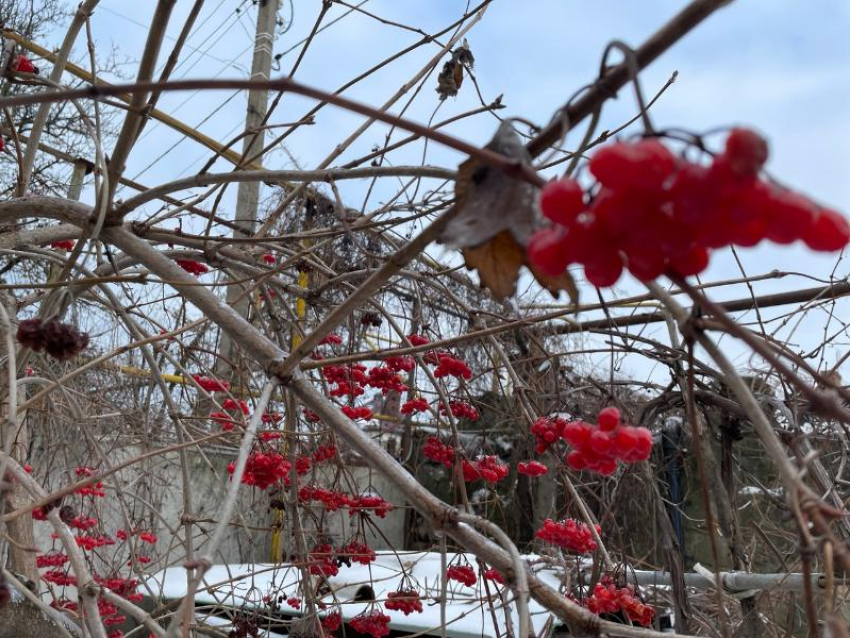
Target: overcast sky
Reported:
point(780, 66)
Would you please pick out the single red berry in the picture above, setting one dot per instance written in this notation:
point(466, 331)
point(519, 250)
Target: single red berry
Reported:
point(561, 201)
point(790, 216)
point(608, 419)
point(746, 151)
point(690, 263)
point(577, 433)
point(829, 231)
point(604, 270)
point(576, 460)
point(546, 252)
point(600, 442)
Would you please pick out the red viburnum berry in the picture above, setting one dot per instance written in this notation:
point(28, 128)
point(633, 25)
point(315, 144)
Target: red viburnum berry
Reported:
point(562, 201)
point(829, 232)
point(546, 252)
point(531, 468)
point(608, 419)
point(463, 574)
point(746, 152)
point(405, 600)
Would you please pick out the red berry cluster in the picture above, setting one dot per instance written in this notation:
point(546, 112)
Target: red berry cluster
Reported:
point(349, 380)
point(210, 384)
point(607, 598)
point(401, 364)
point(82, 522)
point(374, 623)
point(224, 420)
point(439, 452)
point(386, 378)
point(331, 500)
point(358, 552)
point(532, 468)
point(463, 574)
point(294, 602)
point(599, 448)
point(322, 561)
point(335, 500)
point(546, 431)
point(418, 340)
point(568, 534)
point(263, 470)
point(331, 339)
point(353, 413)
point(332, 621)
point(60, 340)
point(461, 410)
point(271, 417)
point(233, 404)
point(488, 468)
point(365, 502)
point(53, 559)
point(269, 259)
point(449, 366)
point(655, 213)
point(414, 405)
point(64, 244)
point(405, 600)
point(311, 416)
point(324, 453)
point(495, 575)
point(192, 267)
point(22, 64)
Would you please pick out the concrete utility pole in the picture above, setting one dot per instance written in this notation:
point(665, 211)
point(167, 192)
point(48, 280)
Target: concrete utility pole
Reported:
point(248, 193)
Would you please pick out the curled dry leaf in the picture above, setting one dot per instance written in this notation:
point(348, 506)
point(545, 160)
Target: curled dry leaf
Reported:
point(498, 215)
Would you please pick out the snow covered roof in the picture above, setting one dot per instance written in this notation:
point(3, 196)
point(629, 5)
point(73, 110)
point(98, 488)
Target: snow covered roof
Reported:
point(470, 611)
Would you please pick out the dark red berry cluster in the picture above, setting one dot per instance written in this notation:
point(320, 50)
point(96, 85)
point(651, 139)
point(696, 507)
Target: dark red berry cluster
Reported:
point(322, 560)
point(655, 213)
point(414, 405)
point(546, 431)
point(331, 339)
point(361, 412)
point(495, 575)
point(598, 448)
point(263, 470)
point(401, 364)
point(386, 378)
point(60, 340)
point(462, 574)
point(324, 453)
point(449, 366)
point(374, 623)
point(405, 600)
point(418, 340)
point(488, 468)
point(532, 468)
point(192, 267)
point(607, 598)
point(461, 410)
point(349, 380)
point(568, 534)
point(438, 451)
point(332, 621)
point(64, 244)
point(210, 384)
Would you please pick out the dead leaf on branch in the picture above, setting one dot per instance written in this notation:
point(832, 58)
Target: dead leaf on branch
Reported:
point(498, 215)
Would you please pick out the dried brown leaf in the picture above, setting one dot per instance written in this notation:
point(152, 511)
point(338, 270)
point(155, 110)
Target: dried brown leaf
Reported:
point(497, 217)
point(498, 262)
